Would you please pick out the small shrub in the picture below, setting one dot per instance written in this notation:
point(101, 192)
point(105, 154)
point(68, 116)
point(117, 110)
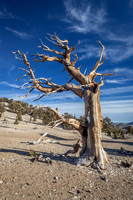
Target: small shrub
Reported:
point(16, 121)
point(19, 115)
point(130, 129)
point(116, 133)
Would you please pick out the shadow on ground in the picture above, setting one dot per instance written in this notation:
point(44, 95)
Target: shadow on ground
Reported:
point(122, 142)
point(52, 156)
point(59, 138)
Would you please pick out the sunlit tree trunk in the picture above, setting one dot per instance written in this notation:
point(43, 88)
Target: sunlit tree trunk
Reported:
point(92, 147)
point(90, 131)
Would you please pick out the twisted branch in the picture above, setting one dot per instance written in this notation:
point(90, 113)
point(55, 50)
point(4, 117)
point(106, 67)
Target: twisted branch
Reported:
point(73, 122)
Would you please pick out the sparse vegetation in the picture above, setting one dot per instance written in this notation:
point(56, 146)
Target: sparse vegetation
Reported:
point(2, 109)
point(108, 126)
point(48, 117)
point(130, 129)
point(110, 129)
point(16, 121)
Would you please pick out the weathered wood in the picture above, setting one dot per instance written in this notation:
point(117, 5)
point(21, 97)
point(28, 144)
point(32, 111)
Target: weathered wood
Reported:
point(40, 139)
point(90, 131)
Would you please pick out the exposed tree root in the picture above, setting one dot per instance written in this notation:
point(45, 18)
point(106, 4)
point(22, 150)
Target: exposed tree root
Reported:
point(87, 159)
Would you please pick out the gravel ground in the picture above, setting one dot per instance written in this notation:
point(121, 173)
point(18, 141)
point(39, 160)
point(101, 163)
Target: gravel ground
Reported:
point(55, 177)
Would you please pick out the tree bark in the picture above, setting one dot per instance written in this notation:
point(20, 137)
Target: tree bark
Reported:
point(87, 88)
point(92, 151)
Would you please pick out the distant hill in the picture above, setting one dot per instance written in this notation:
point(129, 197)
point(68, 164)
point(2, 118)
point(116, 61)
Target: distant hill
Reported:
point(123, 125)
point(130, 124)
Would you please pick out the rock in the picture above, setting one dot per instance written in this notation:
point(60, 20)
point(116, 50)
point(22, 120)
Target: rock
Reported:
point(78, 191)
point(103, 178)
point(75, 197)
point(1, 181)
point(89, 191)
point(56, 178)
point(48, 161)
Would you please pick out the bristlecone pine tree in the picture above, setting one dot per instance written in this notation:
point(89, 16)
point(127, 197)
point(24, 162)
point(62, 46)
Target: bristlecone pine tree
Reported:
point(86, 88)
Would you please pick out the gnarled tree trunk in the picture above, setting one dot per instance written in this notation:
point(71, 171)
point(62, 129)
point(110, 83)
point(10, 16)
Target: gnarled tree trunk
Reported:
point(92, 150)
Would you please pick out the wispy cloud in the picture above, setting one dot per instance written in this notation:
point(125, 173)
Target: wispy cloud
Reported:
point(114, 52)
point(9, 84)
point(127, 39)
point(119, 52)
point(82, 19)
point(114, 81)
point(131, 3)
point(4, 14)
point(120, 106)
point(117, 90)
point(87, 51)
point(22, 35)
point(12, 68)
point(124, 75)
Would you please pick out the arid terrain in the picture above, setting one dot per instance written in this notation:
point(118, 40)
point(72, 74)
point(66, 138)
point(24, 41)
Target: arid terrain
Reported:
point(56, 177)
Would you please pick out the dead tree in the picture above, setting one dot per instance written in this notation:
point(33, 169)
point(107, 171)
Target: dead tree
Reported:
point(86, 88)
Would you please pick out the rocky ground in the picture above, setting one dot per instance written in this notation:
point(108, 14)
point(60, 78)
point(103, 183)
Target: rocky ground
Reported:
point(55, 177)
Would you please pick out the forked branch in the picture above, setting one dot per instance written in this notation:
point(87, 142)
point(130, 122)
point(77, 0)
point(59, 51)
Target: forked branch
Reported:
point(99, 61)
point(40, 82)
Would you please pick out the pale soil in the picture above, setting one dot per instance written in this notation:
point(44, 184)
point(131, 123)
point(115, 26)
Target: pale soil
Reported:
point(20, 178)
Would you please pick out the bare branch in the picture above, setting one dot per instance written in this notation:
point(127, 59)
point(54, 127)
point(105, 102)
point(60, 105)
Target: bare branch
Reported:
point(59, 41)
point(73, 122)
point(24, 70)
point(64, 59)
point(57, 124)
point(73, 48)
point(43, 58)
point(75, 60)
point(22, 76)
point(70, 80)
point(27, 94)
point(101, 82)
point(107, 74)
point(24, 84)
point(50, 50)
point(99, 61)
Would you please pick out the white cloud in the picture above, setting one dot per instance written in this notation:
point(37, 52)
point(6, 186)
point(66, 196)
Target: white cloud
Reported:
point(121, 47)
point(22, 35)
point(117, 90)
point(12, 68)
point(72, 108)
point(120, 106)
point(83, 19)
point(131, 3)
point(4, 14)
point(127, 39)
point(118, 53)
point(113, 81)
point(9, 84)
point(88, 51)
point(123, 71)
point(123, 75)
point(114, 53)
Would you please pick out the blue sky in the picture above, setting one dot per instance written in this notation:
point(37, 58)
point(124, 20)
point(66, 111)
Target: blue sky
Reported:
point(23, 23)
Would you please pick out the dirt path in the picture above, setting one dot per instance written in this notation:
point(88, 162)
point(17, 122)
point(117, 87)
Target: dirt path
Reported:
point(20, 178)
